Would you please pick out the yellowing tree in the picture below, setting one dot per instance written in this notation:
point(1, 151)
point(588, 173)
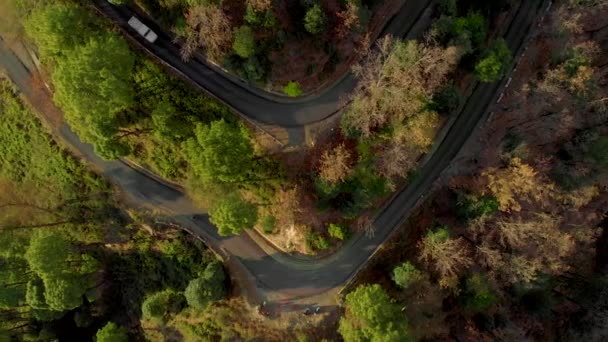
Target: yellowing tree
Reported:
point(260, 5)
point(542, 244)
point(209, 29)
point(400, 154)
point(335, 164)
point(395, 82)
point(516, 182)
point(447, 256)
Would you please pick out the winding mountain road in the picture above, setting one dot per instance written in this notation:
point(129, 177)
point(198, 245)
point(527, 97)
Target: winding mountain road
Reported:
point(249, 100)
point(273, 275)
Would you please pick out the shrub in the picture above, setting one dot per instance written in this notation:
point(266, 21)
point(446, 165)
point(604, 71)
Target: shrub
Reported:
point(468, 32)
point(478, 294)
point(157, 305)
point(337, 231)
point(406, 274)
point(469, 207)
point(253, 69)
point(316, 241)
point(232, 214)
point(315, 19)
point(264, 19)
point(292, 89)
point(112, 333)
point(268, 224)
point(473, 25)
point(446, 100)
point(244, 42)
point(207, 288)
point(371, 315)
point(321, 242)
point(493, 66)
point(489, 69)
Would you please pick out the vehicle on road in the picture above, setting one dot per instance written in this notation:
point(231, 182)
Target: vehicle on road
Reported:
point(142, 29)
point(263, 310)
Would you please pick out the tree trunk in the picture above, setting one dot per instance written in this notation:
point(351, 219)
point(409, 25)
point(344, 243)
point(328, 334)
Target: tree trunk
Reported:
point(137, 132)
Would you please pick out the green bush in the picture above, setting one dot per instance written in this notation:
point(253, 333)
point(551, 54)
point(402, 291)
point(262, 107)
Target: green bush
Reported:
point(354, 195)
point(315, 19)
point(208, 288)
point(474, 25)
point(316, 241)
point(493, 67)
point(112, 333)
point(406, 274)
point(253, 69)
point(265, 20)
point(468, 32)
point(372, 315)
point(292, 89)
point(232, 214)
point(478, 294)
point(337, 231)
point(446, 99)
point(469, 207)
point(158, 305)
point(268, 224)
point(244, 42)
point(321, 242)
point(489, 69)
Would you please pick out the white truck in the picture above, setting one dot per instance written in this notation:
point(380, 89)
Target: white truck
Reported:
point(143, 29)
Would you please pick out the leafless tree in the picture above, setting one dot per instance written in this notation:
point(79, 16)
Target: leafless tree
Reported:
point(525, 246)
point(209, 29)
point(336, 164)
point(348, 20)
point(447, 256)
point(395, 79)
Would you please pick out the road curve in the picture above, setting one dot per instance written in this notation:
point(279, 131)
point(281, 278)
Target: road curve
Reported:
point(248, 100)
point(278, 273)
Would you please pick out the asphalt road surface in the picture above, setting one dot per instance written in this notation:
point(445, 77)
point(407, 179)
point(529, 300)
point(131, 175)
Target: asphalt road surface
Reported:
point(249, 100)
point(276, 273)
